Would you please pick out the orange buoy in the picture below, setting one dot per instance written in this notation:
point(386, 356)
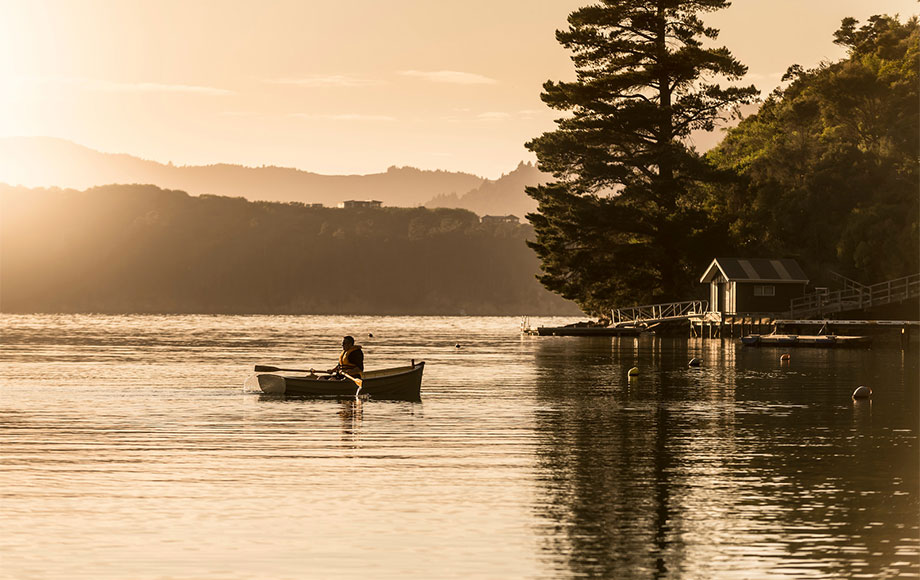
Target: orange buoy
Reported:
point(785, 358)
point(862, 392)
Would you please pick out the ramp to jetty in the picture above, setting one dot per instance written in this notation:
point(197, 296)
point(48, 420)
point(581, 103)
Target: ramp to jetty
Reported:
point(650, 314)
point(855, 296)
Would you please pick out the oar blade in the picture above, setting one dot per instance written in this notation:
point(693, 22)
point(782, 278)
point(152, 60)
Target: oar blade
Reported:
point(271, 369)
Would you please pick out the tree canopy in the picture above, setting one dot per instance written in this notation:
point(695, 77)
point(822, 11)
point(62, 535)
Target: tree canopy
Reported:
point(622, 222)
point(827, 170)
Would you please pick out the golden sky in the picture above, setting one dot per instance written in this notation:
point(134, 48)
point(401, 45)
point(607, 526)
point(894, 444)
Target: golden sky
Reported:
point(333, 87)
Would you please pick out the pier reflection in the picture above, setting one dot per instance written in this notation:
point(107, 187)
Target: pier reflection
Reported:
point(742, 466)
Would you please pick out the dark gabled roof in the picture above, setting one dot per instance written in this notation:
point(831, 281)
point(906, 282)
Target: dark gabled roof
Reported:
point(755, 270)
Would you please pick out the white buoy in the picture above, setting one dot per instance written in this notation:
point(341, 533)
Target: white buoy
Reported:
point(694, 362)
point(862, 392)
point(633, 372)
point(785, 358)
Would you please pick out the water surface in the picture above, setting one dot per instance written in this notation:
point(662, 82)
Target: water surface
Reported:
point(130, 448)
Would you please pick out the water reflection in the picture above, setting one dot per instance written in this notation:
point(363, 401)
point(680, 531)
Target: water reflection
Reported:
point(742, 465)
point(351, 413)
point(129, 449)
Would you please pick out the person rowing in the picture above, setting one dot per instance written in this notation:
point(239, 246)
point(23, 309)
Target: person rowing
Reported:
point(351, 361)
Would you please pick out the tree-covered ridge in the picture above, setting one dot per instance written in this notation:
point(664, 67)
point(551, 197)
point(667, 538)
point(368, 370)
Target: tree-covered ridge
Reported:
point(138, 248)
point(623, 224)
point(502, 196)
point(827, 170)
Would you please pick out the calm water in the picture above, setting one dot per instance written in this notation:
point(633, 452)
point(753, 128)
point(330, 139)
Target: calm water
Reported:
point(129, 448)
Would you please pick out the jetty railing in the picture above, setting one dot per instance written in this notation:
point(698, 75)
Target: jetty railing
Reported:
point(651, 313)
point(856, 297)
point(848, 283)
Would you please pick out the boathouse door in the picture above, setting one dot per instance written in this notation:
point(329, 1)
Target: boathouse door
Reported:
point(716, 293)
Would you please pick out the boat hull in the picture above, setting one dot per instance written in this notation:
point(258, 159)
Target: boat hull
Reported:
point(401, 383)
point(588, 331)
point(817, 341)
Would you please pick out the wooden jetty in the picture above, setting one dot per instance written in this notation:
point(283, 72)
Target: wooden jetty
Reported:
point(807, 324)
point(781, 331)
point(855, 297)
point(718, 325)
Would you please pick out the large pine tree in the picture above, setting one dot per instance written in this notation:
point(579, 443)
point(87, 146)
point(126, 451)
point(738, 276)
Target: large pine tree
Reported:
point(620, 225)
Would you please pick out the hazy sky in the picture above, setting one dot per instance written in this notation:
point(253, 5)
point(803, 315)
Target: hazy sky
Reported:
point(333, 87)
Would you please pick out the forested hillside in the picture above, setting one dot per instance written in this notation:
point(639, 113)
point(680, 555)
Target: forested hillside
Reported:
point(502, 196)
point(827, 170)
point(139, 248)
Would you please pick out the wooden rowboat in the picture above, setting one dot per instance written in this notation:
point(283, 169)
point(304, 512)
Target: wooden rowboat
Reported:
point(399, 383)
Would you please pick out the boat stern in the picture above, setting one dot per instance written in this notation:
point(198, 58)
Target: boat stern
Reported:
point(272, 384)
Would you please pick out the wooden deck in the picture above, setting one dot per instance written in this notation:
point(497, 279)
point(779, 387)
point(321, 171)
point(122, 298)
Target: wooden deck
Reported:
point(715, 326)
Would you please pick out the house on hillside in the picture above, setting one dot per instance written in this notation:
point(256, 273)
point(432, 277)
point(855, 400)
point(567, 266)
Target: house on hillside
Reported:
point(748, 286)
point(500, 219)
point(364, 203)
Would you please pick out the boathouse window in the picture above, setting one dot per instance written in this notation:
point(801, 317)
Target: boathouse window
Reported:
point(764, 290)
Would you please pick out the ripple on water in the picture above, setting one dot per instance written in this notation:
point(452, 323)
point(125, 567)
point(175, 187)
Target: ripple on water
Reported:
point(129, 447)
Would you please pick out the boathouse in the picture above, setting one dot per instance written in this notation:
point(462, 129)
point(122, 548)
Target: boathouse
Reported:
point(747, 286)
point(500, 219)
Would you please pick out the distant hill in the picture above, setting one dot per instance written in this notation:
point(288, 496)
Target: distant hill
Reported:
point(139, 248)
point(50, 162)
point(503, 196)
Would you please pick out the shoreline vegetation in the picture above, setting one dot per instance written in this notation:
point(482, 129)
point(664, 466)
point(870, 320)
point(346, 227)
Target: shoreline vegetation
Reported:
point(141, 249)
point(825, 171)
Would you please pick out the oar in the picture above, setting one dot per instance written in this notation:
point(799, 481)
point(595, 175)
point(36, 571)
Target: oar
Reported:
point(358, 382)
point(269, 369)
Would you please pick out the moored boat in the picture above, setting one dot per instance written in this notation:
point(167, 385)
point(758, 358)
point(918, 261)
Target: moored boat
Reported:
point(582, 329)
point(818, 340)
point(398, 383)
